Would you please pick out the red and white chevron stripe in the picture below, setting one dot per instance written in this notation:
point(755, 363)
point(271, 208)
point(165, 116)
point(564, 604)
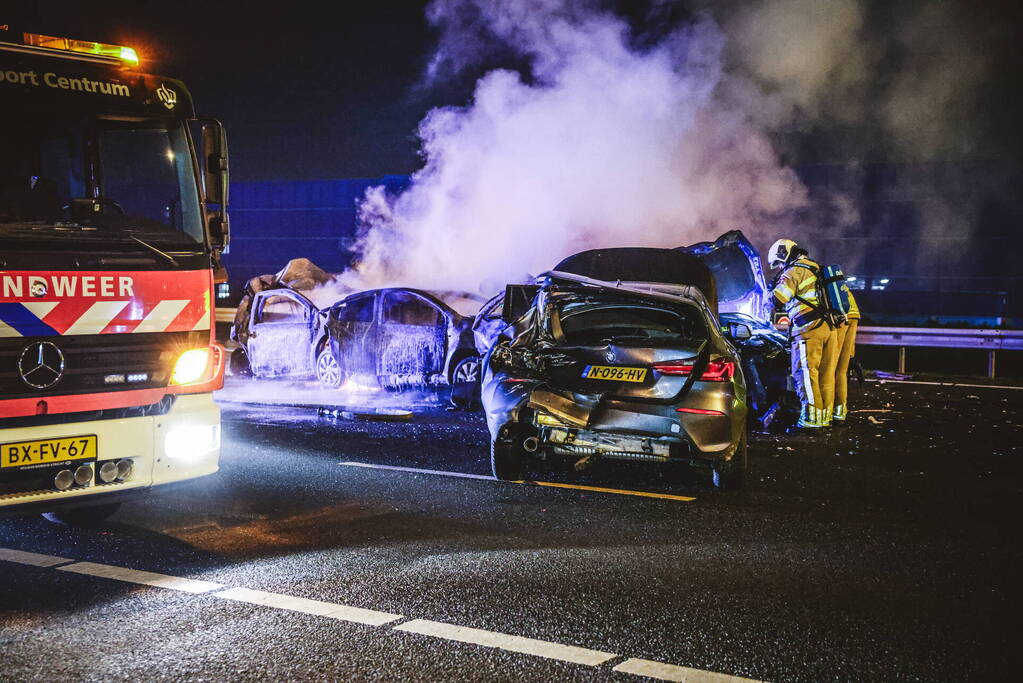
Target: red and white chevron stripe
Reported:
point(44, 303)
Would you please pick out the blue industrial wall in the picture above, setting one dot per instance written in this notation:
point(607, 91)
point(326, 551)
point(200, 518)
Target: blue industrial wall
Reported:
point(273, 222)
point(931, 239)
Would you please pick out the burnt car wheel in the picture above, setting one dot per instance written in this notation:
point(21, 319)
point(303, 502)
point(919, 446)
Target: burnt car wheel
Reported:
point(239, 363)
point(731, 475)
point(465, 382)
point(328, 371)
point(507, 461)
point(84, 516)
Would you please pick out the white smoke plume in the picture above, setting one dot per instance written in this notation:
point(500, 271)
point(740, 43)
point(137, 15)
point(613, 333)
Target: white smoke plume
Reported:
point(619, 138)
point(607, 145)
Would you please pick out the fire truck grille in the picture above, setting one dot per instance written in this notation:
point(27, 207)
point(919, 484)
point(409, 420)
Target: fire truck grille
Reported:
point(91, 363)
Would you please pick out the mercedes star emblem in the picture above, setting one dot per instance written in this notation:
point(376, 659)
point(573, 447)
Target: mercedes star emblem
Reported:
point(41, 365)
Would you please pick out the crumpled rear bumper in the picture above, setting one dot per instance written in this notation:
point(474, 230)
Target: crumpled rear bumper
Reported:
point(580, 424)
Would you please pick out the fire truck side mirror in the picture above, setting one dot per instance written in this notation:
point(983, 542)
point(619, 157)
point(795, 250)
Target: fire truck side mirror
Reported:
point(216, 181)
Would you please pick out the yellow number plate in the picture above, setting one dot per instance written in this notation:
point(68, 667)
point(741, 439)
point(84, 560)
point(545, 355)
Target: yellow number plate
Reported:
point(45, 452)
point(614, 374)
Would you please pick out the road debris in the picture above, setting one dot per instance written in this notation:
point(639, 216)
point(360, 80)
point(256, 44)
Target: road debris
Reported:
point(896, 376)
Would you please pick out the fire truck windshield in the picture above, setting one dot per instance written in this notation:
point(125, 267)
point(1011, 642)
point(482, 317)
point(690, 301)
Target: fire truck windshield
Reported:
point(115, 178)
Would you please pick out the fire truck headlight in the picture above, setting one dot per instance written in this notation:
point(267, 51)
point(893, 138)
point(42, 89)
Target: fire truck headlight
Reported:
point(190, 366)
point(190, 442)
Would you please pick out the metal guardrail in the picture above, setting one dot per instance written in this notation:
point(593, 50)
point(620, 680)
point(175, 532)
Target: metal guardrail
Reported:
point(991, 341)
point(225, 315)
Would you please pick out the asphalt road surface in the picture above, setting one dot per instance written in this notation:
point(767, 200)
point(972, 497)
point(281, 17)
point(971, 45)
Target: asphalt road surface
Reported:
point(886, 550)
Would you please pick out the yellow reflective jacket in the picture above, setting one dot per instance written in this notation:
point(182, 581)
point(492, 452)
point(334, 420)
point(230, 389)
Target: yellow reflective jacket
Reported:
point(796, 293)
point(854, 308)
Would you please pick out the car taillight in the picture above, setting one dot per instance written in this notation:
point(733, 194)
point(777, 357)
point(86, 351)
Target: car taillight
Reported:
point(699, 411)
point(716, 371)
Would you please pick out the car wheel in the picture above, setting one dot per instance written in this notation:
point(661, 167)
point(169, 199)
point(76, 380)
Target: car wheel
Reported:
point(507, 461)
point(465, 382)
point(328, 371)
point(731, 475)
point(84, 516)
point(239, 363)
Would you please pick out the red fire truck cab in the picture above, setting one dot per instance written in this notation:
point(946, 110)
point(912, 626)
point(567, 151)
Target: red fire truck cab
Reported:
point(113, 217)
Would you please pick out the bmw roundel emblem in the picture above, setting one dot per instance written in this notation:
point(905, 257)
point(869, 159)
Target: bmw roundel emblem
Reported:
point(610, 356)
point(41, 364)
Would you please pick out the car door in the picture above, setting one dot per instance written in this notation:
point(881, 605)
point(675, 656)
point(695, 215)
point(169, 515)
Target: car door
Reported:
point(353, 336)
point(411, 338)
point(280, 332)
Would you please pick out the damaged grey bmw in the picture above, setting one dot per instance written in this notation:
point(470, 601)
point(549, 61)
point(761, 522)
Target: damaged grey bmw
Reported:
point(617, 354)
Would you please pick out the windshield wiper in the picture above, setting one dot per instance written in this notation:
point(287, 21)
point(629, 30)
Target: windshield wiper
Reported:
point(156, 251)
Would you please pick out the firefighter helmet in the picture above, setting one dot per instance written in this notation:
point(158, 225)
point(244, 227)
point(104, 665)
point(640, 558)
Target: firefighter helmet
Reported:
point(781, 253)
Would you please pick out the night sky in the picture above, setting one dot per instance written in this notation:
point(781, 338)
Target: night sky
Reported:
point(322, 92)
point(333, 90)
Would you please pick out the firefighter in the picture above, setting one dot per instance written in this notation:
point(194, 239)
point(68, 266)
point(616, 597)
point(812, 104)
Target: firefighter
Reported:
point(814, 352)
point(846, 349)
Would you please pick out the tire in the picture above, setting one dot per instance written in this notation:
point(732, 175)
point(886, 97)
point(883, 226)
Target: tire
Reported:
point(328, 372)
point(84, 516)
point(465, 382)
point(239, 363)
point(731, 475)
point(507, 461)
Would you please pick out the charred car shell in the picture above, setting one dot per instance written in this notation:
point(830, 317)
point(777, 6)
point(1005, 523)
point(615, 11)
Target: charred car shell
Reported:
point(401, 337)
point(280, 333)
point(642, 373)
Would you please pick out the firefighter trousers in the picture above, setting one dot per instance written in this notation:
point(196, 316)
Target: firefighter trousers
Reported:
point(846, 350)
point(814, 355)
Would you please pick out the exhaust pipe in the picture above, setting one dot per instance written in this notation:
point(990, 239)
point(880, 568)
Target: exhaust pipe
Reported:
point(531, 444)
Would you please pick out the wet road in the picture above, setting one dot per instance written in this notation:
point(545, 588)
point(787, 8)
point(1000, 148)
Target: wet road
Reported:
point(886, 550)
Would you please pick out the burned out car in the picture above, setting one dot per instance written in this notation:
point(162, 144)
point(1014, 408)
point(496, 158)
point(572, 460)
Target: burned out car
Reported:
point(281, 336)
point(400, 338)
point(279, 324)
point(633, 368)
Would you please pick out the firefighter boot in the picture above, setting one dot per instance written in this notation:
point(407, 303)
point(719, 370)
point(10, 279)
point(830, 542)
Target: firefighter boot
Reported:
point(809, 418)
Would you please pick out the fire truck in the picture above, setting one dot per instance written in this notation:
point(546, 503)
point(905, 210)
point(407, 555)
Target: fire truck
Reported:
point(113, 217)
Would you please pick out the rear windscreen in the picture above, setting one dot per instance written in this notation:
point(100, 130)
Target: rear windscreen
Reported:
point(585, 323)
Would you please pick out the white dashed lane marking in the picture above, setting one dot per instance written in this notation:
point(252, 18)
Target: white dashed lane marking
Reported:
point(435, 629)
point(671, 672)
point(107, 571)
point(34, 559)
point(307, 606)
point(503, 641)
point(416, 470)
